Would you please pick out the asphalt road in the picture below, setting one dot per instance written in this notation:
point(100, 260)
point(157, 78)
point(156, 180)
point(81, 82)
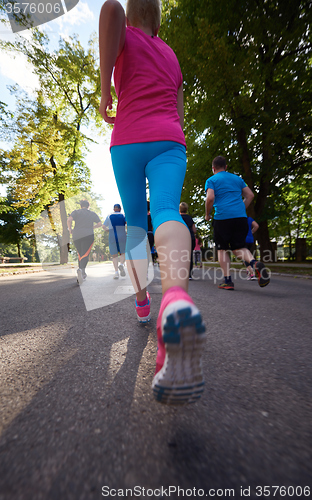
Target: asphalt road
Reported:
point(78, 419)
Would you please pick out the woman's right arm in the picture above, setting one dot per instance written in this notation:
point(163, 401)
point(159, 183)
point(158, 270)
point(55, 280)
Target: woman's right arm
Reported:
point(112, 34)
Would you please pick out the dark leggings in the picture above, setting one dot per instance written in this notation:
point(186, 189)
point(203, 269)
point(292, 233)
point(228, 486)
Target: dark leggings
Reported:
point(83, 246)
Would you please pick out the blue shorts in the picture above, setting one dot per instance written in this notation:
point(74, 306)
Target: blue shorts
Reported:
point(117, 246)
point(163, 164)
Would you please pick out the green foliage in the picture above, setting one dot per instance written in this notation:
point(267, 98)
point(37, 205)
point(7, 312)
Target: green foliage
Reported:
point(44, 157)
point(27, 250)
point(5, 117)
point(247, 87)
point(5, 114)
point(73, 203)
point(12, 221)
point(48, 132)
point(293, 208)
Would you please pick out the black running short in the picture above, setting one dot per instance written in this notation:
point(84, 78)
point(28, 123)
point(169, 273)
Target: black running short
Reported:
point(84, 245)
point(230, 233)
point(250, 246)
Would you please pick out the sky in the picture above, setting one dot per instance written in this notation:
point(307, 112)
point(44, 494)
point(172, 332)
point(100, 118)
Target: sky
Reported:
point(83, 21)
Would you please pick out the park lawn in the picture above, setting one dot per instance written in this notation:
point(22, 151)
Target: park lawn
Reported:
point(274, 268)
point(299, 271)
point(280, 269)
point(18, 270)
point(11, 271)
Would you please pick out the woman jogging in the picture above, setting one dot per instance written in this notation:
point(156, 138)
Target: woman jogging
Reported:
point(148, 142)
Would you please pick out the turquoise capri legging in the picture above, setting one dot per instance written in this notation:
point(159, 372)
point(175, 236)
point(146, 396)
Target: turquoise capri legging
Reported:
point(163, 163)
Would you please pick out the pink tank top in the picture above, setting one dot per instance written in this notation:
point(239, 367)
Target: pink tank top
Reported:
point(147, 76)
point(197, 245)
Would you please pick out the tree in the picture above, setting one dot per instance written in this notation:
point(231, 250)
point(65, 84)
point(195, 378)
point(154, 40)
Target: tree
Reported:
point(12, 221)
point(49, 145)
point(5, 176)
point(247, 79)
point(293, 212)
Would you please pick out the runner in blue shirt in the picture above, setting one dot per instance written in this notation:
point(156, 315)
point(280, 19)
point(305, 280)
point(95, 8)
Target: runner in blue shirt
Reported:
point(115, 224)
point(229, 195)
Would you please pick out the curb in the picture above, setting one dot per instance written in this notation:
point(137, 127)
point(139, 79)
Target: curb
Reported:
point(25, 271)
point(304, 276)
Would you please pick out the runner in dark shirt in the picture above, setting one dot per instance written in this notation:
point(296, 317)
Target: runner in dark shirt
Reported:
point(83, 235)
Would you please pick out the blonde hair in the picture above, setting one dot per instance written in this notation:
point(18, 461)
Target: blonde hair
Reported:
point(183, 207)
point(144, 12)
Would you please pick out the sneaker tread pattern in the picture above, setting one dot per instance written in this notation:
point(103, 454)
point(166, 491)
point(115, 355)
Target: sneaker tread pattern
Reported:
point(181, 379)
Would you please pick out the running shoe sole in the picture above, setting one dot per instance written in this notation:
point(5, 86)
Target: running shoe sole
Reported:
point(144, 319)
point(180, 381)
point(226, 286)
point(79, 277)
point(263, 277)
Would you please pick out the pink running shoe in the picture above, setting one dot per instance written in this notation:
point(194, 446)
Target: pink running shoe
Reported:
point(144, 312)
point(181, 337)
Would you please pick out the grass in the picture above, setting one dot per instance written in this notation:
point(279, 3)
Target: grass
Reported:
point(16, 270)
point(299, 271)
point(275, 268)
point(289, 269)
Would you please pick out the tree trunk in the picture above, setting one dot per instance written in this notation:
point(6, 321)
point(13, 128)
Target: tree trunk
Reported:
point(243, 144)
point(33, 252)
point(266, 251)
point(290, 245)
point(64, 240)
point(247, 172)
point(301, 249)
point(255, 211)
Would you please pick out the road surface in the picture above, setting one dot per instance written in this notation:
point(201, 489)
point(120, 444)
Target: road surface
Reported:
point(78, 419)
